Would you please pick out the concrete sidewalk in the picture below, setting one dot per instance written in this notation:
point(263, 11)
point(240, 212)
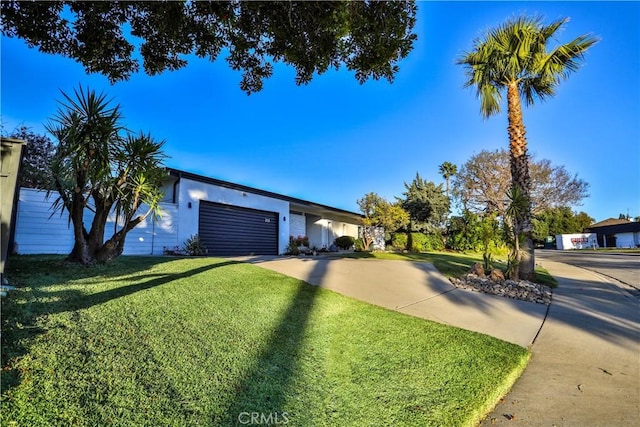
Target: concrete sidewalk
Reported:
point(585, 369)
point(418, 289)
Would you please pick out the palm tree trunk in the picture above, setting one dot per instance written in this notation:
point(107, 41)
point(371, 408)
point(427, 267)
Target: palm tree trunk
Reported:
point(520, 176)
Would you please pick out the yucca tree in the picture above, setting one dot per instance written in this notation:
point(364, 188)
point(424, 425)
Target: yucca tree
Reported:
point(447, 170)
point(100, 166)
point(516, 58)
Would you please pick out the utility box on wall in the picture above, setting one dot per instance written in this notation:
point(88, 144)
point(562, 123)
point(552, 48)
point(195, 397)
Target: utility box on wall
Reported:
point(9, 167)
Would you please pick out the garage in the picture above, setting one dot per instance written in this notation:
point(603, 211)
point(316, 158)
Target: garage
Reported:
point(227, 230)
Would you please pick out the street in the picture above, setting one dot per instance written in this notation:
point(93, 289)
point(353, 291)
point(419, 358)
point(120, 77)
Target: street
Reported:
point(624, 267)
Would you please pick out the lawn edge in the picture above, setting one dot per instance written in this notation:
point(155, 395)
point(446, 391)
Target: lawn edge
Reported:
point(492, 401)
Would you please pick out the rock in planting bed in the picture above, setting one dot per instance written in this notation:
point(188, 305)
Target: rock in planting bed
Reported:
point(496, 284)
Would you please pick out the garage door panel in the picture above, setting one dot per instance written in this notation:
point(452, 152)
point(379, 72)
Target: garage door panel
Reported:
point(233, 230)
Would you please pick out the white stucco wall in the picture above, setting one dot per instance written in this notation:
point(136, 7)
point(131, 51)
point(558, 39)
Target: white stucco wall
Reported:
point(193, 191)
point(627, 240)
point(297, 225)
point(322, 231)
point(38, 232)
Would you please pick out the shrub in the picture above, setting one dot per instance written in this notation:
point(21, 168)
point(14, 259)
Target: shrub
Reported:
point(359, 245)
point(194, 247)
point(344, 242)
point(292, 247)
point(399, 241)
point(434, 242)
point(421, 242)
point(299, 241)
point(418, 241)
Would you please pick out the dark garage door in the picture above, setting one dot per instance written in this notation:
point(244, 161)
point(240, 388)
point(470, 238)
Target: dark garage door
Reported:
point(232, 230)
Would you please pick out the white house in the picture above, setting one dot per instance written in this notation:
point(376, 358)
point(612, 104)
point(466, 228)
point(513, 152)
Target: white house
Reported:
point(617, 233)
point(231, 219)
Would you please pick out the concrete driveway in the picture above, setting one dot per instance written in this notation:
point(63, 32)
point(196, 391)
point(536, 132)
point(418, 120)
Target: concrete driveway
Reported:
point(417, 289)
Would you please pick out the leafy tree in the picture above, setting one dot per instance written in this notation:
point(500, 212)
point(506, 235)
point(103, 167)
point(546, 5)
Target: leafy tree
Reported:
point(462, 231)
point(98, 167)
point(426, 205)
point(447, 170)
point(35, 170)
point(369, 38)
point(559, 220)
point(485, 178)
point(474, 232)
point(513, 58)
point(368, 206)
point(378, 212)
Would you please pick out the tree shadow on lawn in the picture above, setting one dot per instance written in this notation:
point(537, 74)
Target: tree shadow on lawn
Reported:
point(265, 387)
point(19, 320)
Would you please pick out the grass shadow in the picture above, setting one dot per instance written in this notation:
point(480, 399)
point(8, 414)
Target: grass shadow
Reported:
point(265, 388)
point(20, 316)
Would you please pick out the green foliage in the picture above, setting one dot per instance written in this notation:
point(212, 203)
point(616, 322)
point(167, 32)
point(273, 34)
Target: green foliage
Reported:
point(487, 261)
point(95, 164)
point(193, 246)
point(369, 38)
point(559, 220)
point(295, 243)
point(473, 232)
point(417, 242)
point(426, 204)
point(462, 233)
point(489, 233)
point(447, 170)
point(399, 241)
point(516, 53)
point(378, 212)
point(358, 245)
point(292, 249)
point(37, 155)
point(345, 242)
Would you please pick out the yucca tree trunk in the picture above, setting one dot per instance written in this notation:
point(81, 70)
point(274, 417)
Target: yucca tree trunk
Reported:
point(520, 177)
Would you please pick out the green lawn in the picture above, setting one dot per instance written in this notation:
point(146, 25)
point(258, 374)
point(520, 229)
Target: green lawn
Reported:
point(204, 341)
point(451, 264)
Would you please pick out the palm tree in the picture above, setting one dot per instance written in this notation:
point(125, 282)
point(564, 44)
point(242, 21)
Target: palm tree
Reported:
point(514, 58)
point(96, 167)
point(447, 170)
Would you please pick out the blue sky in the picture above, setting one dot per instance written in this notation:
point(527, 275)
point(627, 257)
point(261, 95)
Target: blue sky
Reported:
point(334, 140)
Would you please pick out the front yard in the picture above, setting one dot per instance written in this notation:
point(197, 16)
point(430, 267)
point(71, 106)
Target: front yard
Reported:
point(204, 341)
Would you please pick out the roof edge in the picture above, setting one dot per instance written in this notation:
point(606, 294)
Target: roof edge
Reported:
point(240, 187)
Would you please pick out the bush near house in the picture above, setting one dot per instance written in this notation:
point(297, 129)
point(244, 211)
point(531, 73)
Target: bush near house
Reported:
point(193, 246)
point(296, 244)
point(345, 242)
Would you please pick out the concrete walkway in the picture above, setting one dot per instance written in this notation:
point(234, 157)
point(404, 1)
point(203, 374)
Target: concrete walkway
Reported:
point(418, 289)
point(585, 369)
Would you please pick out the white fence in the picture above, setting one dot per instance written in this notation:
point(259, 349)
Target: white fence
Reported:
point(40, 232)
